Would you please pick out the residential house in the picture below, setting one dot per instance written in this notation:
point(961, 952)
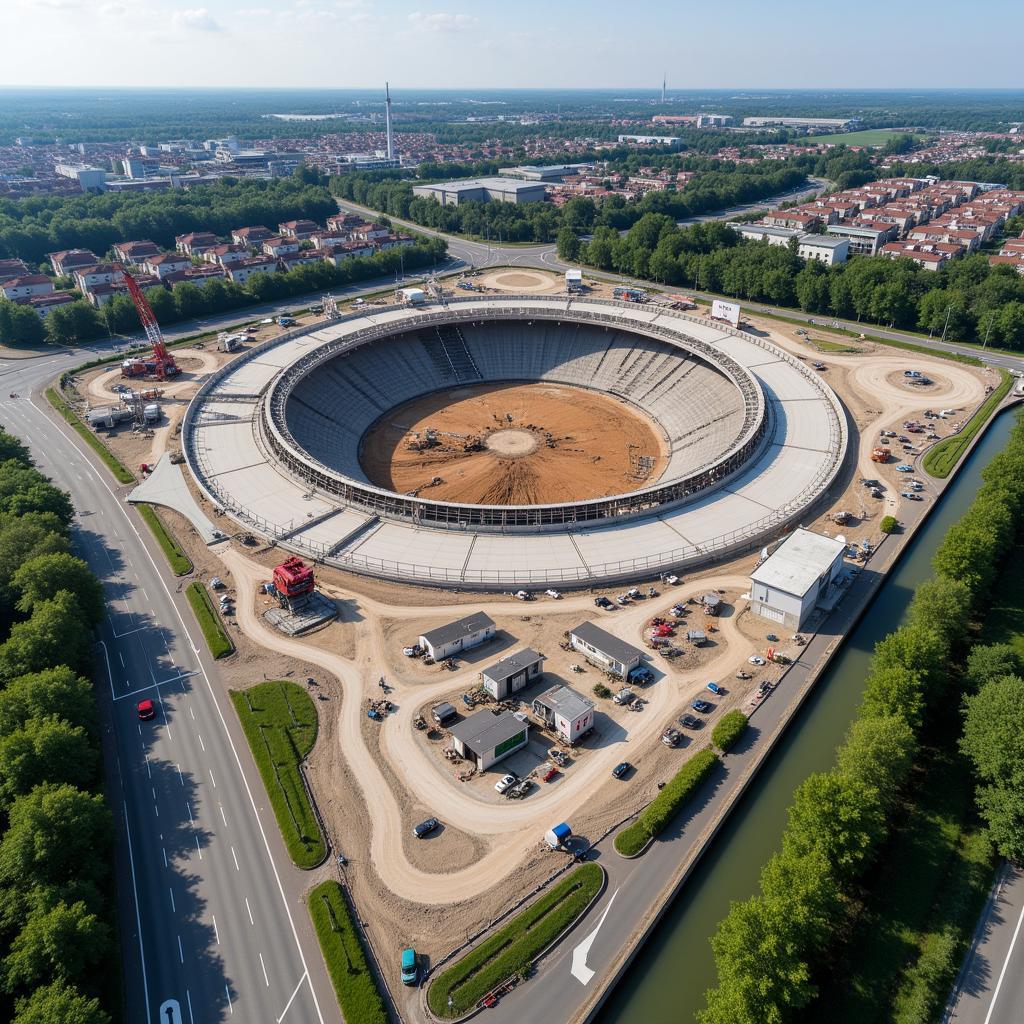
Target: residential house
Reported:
point(66, 262)
point(252, 236)
point(135, 253)
point(225, 255)
point(279, 245)
point(299, 229)
point(165, 263)
point(241, 272)
point(195, 242)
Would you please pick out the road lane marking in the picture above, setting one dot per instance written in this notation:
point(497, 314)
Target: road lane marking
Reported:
point(181, 779)
point(170, 1012)
point(188, 807)
point(264, 966)
point(191, 712)
point(201, 743)
point(249, 909)
point(121, 656)
point(1006, 963)
point(149, 770)
point(223, 816)
point(580, 971)
point(188, 999)
point(235, 859)
point(293, 995)
point(138, 917)
point(198, 850)
point(163, 850)
point(171, 891)
point(216, 933)
point(212, 779)
point(181, 952)
point(227, 992)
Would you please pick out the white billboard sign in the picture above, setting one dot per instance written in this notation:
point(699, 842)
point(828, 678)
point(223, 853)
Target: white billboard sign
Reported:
point(728, 311)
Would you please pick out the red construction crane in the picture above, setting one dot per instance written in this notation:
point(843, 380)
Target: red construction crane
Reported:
point(162, 365)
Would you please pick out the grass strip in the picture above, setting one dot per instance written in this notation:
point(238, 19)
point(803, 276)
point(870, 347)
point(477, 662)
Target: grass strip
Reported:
point(121, 473)
point(280, 723)
point(512, 949)
point(940, 460)
point(209, 621)
point(664, 807)
point(180, 563)
point(729, 729)
point(354, 983)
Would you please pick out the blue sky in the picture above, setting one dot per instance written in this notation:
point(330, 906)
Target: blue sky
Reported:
point(515, 43)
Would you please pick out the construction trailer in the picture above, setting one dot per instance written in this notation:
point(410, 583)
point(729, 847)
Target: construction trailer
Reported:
point(569, 713)
point(574, 281)
point(512, 674)
point(604, 650)
point(461, 635)
point(486, 738)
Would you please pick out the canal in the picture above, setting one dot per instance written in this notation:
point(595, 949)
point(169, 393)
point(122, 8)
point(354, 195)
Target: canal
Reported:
point(667, 981)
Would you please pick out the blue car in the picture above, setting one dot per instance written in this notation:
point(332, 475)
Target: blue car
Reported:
point(715, 688)
point(410, 967)
point(702, 707)
point(904, 468)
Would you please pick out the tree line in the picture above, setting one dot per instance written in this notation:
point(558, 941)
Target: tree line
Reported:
point(718, 187)
point(80, 321)
point(57, 925)
point(966, 299)
point(32, 227)
point(770, 949)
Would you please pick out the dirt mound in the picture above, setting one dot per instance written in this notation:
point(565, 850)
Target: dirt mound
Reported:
point(514, 444)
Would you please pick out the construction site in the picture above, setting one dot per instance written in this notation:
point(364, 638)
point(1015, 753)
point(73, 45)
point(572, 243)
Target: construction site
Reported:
point(298, 445)
point(514, 444)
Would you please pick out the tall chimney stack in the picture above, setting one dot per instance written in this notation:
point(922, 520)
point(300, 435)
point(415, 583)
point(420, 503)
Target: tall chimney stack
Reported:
point(387, 120)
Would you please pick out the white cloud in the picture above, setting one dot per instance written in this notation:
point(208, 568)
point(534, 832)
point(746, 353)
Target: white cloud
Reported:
point(197, 19)
point(441, 22)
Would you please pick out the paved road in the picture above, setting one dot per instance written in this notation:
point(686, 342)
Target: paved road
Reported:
point(211, 923)
point(990, 988)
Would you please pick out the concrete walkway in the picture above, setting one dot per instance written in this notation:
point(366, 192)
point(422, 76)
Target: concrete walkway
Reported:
point(166, 486)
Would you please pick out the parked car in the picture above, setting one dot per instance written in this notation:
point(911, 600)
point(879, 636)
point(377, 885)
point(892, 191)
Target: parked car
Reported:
point(624, 696)
point(603, 602)
point(424, 828)
point(412, 652)
point(553, 594)
point(910, 495)
point(689, 722)
point(702, 707)
point(715, 689)
point(621, 769)
point(505, 782)
point(904, 468)
point(671, 737)
point(146, 710)
point(410, 967)
point(756, 659)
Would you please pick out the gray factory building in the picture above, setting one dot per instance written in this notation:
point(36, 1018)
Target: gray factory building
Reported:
point(498, 190)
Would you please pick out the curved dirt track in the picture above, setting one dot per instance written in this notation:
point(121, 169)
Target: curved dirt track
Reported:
point(99, 387)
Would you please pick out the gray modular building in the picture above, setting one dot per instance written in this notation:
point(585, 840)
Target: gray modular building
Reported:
point(569, 713)
point(605, 650)
point(483, 190)
point(486, 738)
point(457, 636)
point(512, 674)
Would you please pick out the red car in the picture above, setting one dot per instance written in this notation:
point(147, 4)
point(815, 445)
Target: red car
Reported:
point(146, 710)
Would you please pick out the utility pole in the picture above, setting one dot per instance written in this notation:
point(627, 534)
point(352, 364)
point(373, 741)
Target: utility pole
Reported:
point(949, 309)
point(988, 331)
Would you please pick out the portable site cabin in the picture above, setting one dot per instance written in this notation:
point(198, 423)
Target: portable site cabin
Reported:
point(604, 650)
point(558, 835)
point(512, 674)
point(457, 636)
point(567, 712)
point(486, 738)
point(443, 713)
point(574, 280)
point(697, 637)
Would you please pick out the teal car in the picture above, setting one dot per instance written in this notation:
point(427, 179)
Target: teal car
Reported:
point(410, 967)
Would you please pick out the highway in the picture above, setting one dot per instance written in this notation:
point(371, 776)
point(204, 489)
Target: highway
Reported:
point(212, 926)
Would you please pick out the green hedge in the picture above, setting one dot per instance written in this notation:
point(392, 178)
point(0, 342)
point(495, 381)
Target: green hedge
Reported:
point(731, 727)
point(121, 473)
point(180, 563)
point(281, 728)
point(512, 949)
point(664, 807)
point(354, 983)
point(209, 621)
point(940, 460)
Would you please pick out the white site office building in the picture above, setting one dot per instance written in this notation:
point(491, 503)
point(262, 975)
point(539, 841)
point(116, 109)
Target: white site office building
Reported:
point(801, 574)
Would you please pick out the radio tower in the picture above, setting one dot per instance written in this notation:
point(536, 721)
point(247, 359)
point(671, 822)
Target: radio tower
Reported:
point(664, 82)
point(387, 120)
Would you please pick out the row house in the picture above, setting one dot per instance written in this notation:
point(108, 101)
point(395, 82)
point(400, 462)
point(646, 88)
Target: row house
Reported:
point(985, 226)
point(19, 289)
point(299, 229)
point(239, 273)
point(135, 253)
point(66, 262)
point(343, 222)
point(1012, 247)
point(225, 255)
point(42, 304)
point(329, 239)
point(88, 278)
point(792, 219)
point(928, 255)
point(194, 275)
point(195, 243)
point(368, 232)
point(103, 292)
point(165, 263)
point(346, 251)
point(291, 260)
point(252, 237)
point(279, 245)
point(10, 269)
point(394, 242)
point(1015, 261)
point(943, 233)
point(888, 230)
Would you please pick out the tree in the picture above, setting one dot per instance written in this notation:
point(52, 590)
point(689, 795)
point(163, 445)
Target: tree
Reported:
point(54, 690)
point(943, 604)
point(893, 691)
point(44, 576)
point(917, 648)
point(24, 490)
point(56, 634)
point(61, 943)
point(45, 750)
point(984, 663)
point(888, 524)
point(568, 245)
point(11, 447)
point(23, 538)
point(56, 835)
point(878, 753)
point(59, 1004)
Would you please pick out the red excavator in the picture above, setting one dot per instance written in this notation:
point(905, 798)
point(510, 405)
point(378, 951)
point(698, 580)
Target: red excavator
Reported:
point(161, 364)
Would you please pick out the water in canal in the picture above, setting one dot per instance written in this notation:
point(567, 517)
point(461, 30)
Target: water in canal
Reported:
point(667, 981)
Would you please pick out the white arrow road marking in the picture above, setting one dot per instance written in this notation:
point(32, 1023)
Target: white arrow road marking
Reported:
point(580, 971)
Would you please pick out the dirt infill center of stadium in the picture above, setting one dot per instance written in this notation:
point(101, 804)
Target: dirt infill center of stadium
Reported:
point(514, 444)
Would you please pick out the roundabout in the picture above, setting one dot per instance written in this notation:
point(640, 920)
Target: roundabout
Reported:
point(680, 441)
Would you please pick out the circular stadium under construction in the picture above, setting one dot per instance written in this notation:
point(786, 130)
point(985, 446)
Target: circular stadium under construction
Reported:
point(511, 441)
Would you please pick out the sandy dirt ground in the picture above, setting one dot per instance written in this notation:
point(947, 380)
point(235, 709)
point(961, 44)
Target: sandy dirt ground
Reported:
point(535, 444)
point(523, 282)
point(375, 781)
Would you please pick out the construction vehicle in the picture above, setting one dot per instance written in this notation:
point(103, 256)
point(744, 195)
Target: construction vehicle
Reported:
point(880, 454)
point(293, 582)
point(161, 365)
